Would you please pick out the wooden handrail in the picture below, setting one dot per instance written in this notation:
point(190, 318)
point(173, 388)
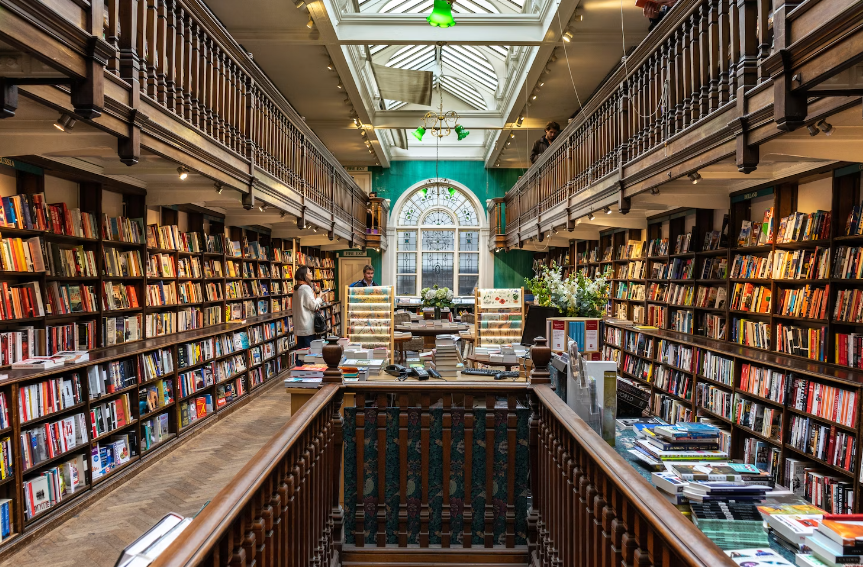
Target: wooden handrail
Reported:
point(210, 533)
point(650, 525)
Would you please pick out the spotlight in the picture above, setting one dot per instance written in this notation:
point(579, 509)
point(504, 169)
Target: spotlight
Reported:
point(590, 216)
point(553, 58)
point(540, 84)
point(826, 127)
point(363, 133)
point(547, 70)
point(283, 214)
point(607, 210)
point(695, 177)
point(497, 164)
point(813, 130)
point(347, 101)
point(219, 188)
point(331, 66)
point(299, 3)
point(314, 229)
point(311, 24)
point(340, 85)
point(579, 17)
point(263, 207)
point(654, 190)
point(65, 123)
point(182, 172)
point(508, 143)
point(577, 221)
point(567, 36)
point(533, 96)
point(512, 135)
point(556, 230)
point(520, 120)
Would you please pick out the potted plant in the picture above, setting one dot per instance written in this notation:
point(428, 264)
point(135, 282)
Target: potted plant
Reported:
point(437, 297)
point(574, 296)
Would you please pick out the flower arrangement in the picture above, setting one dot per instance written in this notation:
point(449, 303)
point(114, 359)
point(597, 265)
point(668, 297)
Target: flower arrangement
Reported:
point(435, 296)
point(574, 296)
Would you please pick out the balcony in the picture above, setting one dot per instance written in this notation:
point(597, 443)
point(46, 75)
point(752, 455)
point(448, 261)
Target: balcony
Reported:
point(712, 84)
point(164, 82)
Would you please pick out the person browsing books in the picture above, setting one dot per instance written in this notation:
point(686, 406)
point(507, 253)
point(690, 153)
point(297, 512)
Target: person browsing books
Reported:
point(304, 307)
point(368, 278)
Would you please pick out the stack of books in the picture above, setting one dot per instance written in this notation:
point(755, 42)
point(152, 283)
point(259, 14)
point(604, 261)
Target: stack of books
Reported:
point(730, 525)
point(681, 442)
point(791, 524)
point(446, 357)
point(838, 540)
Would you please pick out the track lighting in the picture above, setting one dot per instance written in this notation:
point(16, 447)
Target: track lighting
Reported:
point(520, 120)
point(825, 127)
point(311, 24)
point(654, 190)
point(512, 134)
point(534, 95)
point(695, 177)
point(299, 3)
point(182, 172)
point(347, 101)
point(497, 164)
point(813, 130)
point(553, 58)
point(547, 70)
point(263, 207)
point(556, 230)
point(607, 210)
point(577, 221)
point(283, 214)
point(579, 17)
point(363, 133)
point(590, 216)
point(340, 85)
point(65, 123)
point(314, 229)
point(331, 66)
point(567, 36)
point(219, 188)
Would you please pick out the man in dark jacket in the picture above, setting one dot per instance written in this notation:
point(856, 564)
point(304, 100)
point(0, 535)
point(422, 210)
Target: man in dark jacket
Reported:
point(552, 129)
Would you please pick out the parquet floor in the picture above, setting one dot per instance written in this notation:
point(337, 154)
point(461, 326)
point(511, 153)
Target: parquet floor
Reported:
point(181, 481)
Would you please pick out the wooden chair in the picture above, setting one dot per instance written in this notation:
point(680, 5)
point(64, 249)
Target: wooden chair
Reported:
point(416, 344)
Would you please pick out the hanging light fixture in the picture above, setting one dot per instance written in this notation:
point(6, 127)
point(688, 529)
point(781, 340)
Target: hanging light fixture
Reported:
point(441, 14)
point(694, 177)
point(182, 172)
point(65, 123)
point(441, 123)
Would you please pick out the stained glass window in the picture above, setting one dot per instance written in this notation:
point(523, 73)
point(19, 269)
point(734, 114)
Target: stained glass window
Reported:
point(442, 225)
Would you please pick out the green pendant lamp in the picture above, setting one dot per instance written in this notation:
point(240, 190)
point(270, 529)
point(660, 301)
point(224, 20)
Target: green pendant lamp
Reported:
point(419, 133)
point(441, 14)
point(461, 132)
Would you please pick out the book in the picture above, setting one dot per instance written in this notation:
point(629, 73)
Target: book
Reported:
point(757, 557)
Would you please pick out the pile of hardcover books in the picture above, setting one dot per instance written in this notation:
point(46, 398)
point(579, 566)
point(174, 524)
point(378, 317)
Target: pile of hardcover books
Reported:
point(838, 540)
point(681, 442)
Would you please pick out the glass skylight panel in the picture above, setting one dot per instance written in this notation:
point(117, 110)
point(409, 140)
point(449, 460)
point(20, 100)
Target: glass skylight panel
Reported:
point(470, 69)
point(464, 92)
point(502, 52)
point(373, 49)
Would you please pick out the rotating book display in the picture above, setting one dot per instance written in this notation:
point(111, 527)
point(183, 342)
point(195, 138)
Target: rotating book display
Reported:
point(499, 316)
point(370, 317)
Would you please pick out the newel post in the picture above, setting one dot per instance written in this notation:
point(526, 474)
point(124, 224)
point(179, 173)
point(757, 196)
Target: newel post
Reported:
point(332, 353)
point(540, 355)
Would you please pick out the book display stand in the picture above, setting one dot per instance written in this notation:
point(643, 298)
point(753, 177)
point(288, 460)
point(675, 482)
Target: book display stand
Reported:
point(499, 316)
point(370, 317)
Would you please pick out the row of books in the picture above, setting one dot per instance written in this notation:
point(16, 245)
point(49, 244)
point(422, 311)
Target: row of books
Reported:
point(849, 306)
point(111, 377)
point(760, 418)
point(195, 380)
point(7, 462)
point(716, 367)
point(636, 366)
point(714, 269)
point(213, 269)
point(123, 229)
point(682, 322)
point(675, 354)
point(754, 233)
point(679, 295)
point(70, 261)
point(50, 439)
point(4, 412)
point(49, 396)
point(822, 400)
point(154, 430)
point(71, 298)
point(749, 297)
point(713, 326)
point(110, 454)
point(79, 336)
point(161, 265)
point(712, 297)
point(849, 349)
point(230, 391)
point(767, 383)
point(193, 409)
point(156, 364)
point(807, 301)
point(51, 486)
point(657, 247)
point(20, 255)
point(227, 368)
point(798, 227)
point(122, 263)
point(155, 395)
point(801, 264)
point(750, 333)
point(111, 415)
point(189, 267)
point(802, 341)
point(189, 354)
point(116, 295)
point(21, 301)
point(121, 329)
point(714, 399)
point(835, 447)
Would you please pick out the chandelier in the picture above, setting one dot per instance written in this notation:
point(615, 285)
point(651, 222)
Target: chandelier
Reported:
point(441, 123)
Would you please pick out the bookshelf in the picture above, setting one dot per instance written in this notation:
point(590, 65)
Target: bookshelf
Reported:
point(562, 257)
point(764, 401)
point(499, 316)
point(139, 394)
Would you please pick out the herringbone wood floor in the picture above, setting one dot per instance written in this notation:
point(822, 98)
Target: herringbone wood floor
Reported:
point(182, 481)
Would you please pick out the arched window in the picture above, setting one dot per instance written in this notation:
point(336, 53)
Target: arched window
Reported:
point(437, 242)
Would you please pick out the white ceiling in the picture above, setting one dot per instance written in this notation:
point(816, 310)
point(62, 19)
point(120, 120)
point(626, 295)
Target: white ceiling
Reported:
point(296, 58)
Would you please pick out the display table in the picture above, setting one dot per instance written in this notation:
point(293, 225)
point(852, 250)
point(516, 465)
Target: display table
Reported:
point(400, 341)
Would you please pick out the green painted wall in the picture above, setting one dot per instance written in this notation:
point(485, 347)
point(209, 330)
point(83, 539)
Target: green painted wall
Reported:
point(510, 268)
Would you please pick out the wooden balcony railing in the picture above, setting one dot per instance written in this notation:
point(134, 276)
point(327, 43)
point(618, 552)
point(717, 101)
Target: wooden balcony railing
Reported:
point(440, 468)
point(700, 68)
point(282, 508)
point(173, 60)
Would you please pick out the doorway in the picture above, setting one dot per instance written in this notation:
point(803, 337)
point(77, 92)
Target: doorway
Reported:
point(350, 270)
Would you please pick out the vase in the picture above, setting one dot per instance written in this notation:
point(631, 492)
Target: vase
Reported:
point(437, 312)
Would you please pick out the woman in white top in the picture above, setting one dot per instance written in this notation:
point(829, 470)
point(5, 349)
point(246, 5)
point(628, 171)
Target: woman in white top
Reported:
point(304, 306)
